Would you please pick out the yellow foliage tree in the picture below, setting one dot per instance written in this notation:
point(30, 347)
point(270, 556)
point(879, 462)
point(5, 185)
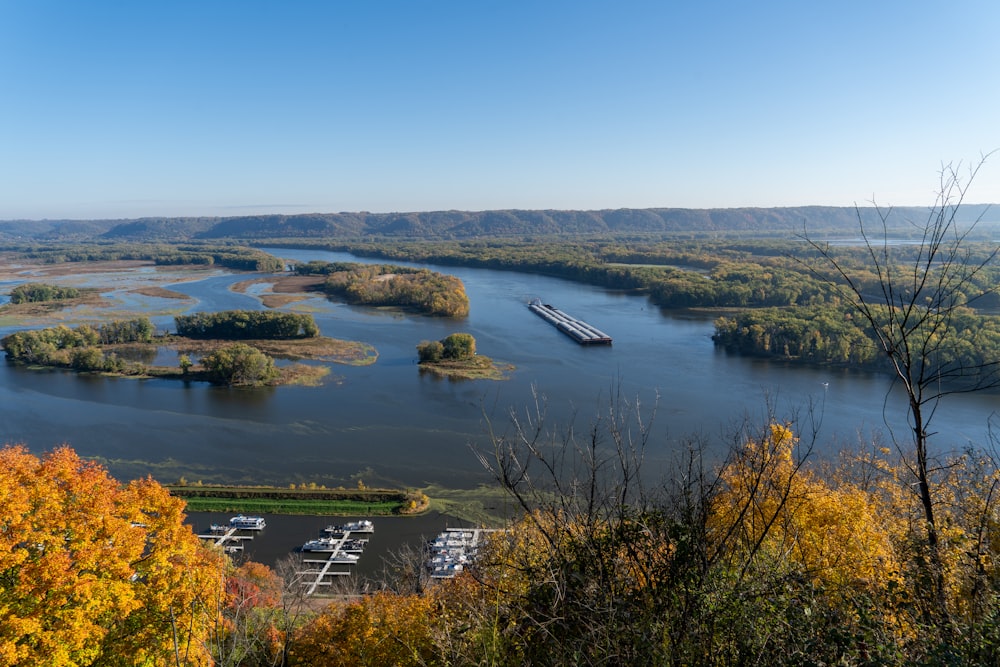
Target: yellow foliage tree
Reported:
point(771, 507)
point(93, 571)
point(380, 629)
point(965, 492)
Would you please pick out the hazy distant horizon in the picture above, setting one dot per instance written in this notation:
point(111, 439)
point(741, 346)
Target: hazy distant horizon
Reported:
point(267, 211)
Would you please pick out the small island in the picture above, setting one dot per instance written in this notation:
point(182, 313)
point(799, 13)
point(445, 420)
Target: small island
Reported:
point(455, 357)
point(233, 348)
point(40, 299)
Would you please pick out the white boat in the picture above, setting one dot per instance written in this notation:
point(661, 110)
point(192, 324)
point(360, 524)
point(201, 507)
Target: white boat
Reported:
point(448, 542)
point(363, 526)
point(354, 546)
point(320, 544)
point(446, 571)
point(344, 558)
point(448, 559)
point(247, 522)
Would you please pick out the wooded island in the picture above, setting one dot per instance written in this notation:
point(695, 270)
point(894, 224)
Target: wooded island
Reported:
point(425, 291)
point(211, 335)
point(455, 357)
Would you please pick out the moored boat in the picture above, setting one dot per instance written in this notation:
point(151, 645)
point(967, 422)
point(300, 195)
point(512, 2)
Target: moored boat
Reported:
point(320, 544)
point(344, 558)
point(247, 522)
point(362, 526)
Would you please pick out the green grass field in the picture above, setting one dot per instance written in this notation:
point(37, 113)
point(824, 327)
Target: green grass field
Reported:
point(272, 500)
point(293, 506)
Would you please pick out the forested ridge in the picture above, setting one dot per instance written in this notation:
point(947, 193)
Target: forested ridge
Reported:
point(240, 258)
point(775, 222)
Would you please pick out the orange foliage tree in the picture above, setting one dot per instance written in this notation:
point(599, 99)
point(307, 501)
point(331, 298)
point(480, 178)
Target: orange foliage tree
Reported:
point(249, 617)
point(94, 571)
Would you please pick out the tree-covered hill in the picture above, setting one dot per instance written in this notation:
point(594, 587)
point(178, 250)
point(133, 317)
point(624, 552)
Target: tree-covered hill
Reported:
point(779, 222)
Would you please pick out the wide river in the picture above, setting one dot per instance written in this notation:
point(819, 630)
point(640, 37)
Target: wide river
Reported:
point(390, 424)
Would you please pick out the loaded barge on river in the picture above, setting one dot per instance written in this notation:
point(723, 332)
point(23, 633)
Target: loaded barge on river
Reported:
point(578, 330)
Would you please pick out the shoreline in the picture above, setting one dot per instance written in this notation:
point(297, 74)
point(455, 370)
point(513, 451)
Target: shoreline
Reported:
point(486, 506)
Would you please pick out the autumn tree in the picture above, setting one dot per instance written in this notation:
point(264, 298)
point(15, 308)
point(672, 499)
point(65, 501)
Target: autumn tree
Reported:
point(918, 291)
point(93, 571)
point(379, 629)
point(248, 613)
point(582, 581)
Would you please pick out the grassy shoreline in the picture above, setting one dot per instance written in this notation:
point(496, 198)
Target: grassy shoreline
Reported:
point(479, 367)
point(275, 500)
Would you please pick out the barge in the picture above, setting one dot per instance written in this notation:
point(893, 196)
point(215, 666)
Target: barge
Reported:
point(578, 330)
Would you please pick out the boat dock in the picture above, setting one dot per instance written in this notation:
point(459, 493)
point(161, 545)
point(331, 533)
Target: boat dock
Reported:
point(578, 330)
point(222, 536)
point(339, 550)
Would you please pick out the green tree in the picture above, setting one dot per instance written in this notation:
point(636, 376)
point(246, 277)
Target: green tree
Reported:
point(240, 365)
point(40, 292)
point(430, 351)
point(459, 346)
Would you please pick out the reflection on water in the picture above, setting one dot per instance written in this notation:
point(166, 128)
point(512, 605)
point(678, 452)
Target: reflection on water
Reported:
point(143, 355)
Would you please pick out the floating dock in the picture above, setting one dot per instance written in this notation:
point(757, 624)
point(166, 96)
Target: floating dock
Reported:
point(339, 549)
point(578, 330)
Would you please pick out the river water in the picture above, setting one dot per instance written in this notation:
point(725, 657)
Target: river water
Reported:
point(390, 424)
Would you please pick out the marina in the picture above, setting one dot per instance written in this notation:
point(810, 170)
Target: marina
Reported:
point(343, 549)
point(453, 550)
point(578, 330)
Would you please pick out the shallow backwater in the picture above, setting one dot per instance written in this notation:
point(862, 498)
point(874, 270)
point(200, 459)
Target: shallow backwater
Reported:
point(388, 423)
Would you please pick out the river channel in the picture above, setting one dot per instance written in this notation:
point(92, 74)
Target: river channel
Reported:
point(390, 424)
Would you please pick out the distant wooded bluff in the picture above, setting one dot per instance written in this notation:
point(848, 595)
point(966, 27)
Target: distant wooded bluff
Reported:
point(469, 224)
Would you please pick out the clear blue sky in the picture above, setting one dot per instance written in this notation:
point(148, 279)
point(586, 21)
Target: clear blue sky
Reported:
point(128, 109)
